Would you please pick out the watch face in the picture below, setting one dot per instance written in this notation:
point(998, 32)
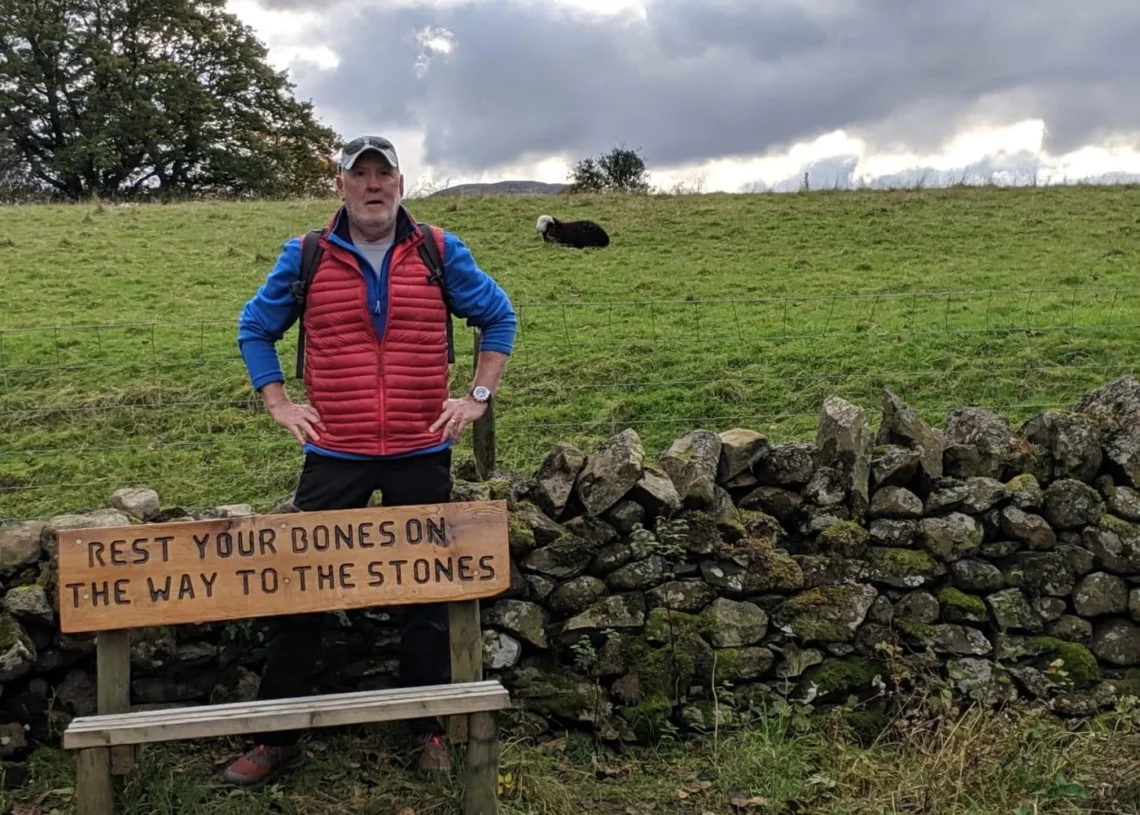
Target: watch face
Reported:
point(481, 394)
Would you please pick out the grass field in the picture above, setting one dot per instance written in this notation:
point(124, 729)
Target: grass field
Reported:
point(933, 760)
point(119, 365)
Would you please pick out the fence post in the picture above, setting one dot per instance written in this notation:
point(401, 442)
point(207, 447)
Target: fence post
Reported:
point(483, 430)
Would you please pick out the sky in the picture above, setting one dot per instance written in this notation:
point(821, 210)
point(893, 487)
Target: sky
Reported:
point(724, 95)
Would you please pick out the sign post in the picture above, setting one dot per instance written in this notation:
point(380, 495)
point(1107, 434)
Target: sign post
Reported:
point(264, 565)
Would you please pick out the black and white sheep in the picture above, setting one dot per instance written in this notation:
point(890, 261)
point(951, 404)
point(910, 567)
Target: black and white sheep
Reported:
point(578, 234)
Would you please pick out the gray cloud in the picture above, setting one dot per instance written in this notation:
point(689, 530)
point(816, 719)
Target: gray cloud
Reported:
point(701, 79)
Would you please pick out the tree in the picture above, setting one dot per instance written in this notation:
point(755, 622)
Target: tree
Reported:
point(619, 170)
point(127, 97)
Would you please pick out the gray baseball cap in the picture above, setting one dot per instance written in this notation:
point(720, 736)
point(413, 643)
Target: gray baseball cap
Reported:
point(358, 147)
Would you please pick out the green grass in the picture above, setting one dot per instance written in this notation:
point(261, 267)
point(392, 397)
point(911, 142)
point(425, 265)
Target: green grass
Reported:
point(937, 762)
point(119, 365)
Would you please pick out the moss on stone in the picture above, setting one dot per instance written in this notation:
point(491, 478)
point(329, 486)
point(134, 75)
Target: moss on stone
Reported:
point(966, 603)
point(665, 625)
point(809, 613)
point(913, 628)
point(1077, 660)
point(727, 668)
point(896, 562)
point(846, 538)
point(11, 633)
point(844, 674)
point(519, 534)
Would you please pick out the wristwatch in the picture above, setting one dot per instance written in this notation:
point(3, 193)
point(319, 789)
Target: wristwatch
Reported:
point(480, 394)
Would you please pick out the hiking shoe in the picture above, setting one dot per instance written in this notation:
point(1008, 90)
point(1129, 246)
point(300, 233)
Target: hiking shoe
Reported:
point(434, 756)
point(262, 763)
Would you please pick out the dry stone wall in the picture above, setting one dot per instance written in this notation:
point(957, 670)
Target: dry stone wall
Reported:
point(651, 595)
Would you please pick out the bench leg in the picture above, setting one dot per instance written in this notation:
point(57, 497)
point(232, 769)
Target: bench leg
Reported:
point(94, 794)
point(481, 795)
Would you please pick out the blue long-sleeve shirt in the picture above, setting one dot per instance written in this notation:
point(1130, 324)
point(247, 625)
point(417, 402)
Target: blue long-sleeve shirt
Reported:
point(472, 294)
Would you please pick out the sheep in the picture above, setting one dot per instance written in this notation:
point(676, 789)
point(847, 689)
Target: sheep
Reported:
point(578, 234)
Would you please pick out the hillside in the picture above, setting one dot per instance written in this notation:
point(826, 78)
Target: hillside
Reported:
point(120, 364)
point(500, 188)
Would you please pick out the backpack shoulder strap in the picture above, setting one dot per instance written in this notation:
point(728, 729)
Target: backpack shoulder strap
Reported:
point(429, 251)
point(310, 257)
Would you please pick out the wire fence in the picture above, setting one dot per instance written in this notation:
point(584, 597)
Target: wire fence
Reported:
point(88, 408)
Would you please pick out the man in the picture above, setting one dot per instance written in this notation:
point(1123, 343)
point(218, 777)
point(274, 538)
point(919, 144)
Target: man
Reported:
point(376, 374)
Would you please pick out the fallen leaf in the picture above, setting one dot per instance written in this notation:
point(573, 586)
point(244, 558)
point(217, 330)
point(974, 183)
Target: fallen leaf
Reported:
point(25, 809)
point(740, 801)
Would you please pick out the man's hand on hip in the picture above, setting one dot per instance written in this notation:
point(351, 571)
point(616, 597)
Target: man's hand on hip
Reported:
point(457, 414)
point(300, 420)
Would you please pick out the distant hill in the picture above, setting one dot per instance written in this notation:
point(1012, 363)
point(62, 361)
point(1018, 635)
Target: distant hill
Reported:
point(501, 188)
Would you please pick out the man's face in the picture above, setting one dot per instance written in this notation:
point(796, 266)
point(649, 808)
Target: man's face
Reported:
point(371, 191)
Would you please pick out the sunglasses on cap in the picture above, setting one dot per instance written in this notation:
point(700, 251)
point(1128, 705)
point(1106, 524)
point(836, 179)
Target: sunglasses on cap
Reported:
point(357, 147)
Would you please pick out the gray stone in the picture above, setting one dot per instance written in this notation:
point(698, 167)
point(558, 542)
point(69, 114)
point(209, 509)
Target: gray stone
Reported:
point(555, 479)
point(845, 442)
point(778, 502)
point(1122, 449)
point(982, 494)
point(977, 576)
point(100, 518)
point(610, 558)
point(1099, 594)
point(234, 510)
point(611, 470)
point(826, 613)
point(740, 451)
point(881, 611)
point(1117, 641)
point(752, 663)
point(1011, 611)
point(1071, 628)
point(894, 466)
point(1115, 545)
point(78, 694)
point(1134, 605)
point(735, 624)
point(30, 603)
point(17, 651)
point(951, 537)
point(625, 515)
point(1072, 440)
point(1041, 573)
point(576, 595)
point(999, 550)
point(897, 503)
point(918, 605)
point(1024, 492)
point(1032, 530)
point(20, 545)
point(1071, 504)
point(826, 487)
point(796, 660)
point(978, 441)
point(901, 425)
point(947, 497)
point(976, 679)
point(500, 651)
point(789, 465)
point(960, 639)
point(1049, 608)
point(540, 586)
point(654, 490)
point(640, 574)
point(691, 463)
point(616, 611)
point(142, 504)
point(527, 621)
point(1123, 502)
point(560, 560)
point(888, 532)
point(689, 596)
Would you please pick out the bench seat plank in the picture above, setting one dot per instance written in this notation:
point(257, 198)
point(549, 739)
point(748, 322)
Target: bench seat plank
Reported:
point(244, 718)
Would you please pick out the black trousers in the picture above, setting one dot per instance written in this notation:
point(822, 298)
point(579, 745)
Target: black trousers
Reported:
point(294, 641)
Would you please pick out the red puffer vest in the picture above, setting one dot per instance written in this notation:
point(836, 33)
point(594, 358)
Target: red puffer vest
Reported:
point(376, 396)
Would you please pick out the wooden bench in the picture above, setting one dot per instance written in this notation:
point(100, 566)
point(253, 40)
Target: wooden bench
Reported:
point(117, 579)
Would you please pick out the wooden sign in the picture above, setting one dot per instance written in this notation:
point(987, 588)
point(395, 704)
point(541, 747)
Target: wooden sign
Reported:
point(262, 565)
